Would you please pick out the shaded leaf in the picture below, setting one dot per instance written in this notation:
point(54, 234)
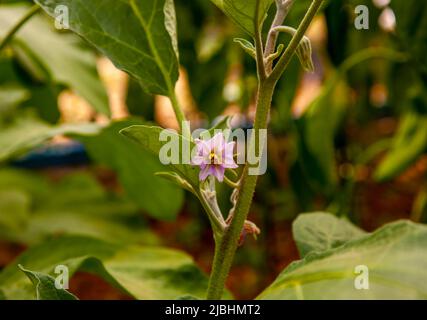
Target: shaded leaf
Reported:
point(142, 272)
point(51, 56)
point(44, 286)
point(29, 214)
point(28, 132)
point(136, 168)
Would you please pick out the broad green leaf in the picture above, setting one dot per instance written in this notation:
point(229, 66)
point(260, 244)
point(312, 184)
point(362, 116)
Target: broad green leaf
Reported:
point(28, 132)
point(51, 56)
point(317, 232)
point(410, 143)
point(138, 36)
point(44, 286)
point(29, 214)
point(135, 168)
point(395, 256)
point(142, 272)
point(243, 12)
point(149, 138)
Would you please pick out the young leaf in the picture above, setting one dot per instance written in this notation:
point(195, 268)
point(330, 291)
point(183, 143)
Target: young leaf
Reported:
point(138, 36)
point(393, 263)
point(45, 288)
point(317, 232)
point(242, 12)
point(150, 139)
point(247, 46)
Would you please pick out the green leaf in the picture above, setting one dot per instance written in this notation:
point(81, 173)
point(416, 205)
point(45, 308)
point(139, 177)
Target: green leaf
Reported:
point(409, 144)
point(11, 96)
point(317, 232)
point(138, 36)
point(149, 138)
point(29, 214)
point(45, 286)
point(28, 132)
point(14, 209)
point(242, 12)
point(394, 255)
point(51, 56)
point(142, 272)
point(136, 168)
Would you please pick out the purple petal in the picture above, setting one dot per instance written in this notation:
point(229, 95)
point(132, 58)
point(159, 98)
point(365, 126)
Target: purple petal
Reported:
point(218, 142)
point(218, 172)
point(204, 173)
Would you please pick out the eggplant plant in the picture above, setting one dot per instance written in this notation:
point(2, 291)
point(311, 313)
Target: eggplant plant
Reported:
point(338, 259)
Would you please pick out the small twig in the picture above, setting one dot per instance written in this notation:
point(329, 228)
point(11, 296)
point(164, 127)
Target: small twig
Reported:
point(230, 183)
point(283, 8)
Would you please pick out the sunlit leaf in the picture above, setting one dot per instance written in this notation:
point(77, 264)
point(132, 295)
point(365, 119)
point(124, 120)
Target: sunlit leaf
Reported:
point(394, 256)
point(138, 36)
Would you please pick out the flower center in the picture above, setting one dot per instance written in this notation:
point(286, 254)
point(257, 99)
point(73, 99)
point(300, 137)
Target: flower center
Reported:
point(213, 158)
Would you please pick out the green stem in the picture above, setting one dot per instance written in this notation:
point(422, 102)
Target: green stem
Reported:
point(227, 245)
point(226, 248)
point(180, 116)
point(9, 36)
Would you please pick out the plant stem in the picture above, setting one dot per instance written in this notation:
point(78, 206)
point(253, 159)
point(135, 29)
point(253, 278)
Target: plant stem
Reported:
point(180, 116)
point(283, 8)
point(226, 248)
point(9, 36)
point(227, 245)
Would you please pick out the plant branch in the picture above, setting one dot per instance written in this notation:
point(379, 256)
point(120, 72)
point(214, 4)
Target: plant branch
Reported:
point(283, 8)
point(9, 36)
point(258, 45)
point(283, 62)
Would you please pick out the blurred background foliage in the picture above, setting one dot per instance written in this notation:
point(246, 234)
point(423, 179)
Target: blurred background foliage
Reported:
point(350, 139)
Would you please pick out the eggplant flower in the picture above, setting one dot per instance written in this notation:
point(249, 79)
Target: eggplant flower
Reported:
point(214, 156)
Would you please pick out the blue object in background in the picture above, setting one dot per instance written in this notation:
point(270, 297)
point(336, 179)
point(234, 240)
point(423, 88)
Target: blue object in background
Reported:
point(54, 155)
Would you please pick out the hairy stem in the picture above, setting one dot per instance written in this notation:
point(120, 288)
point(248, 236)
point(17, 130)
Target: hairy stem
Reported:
point(227, 244)
point(226, 248)
point(9, 36)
